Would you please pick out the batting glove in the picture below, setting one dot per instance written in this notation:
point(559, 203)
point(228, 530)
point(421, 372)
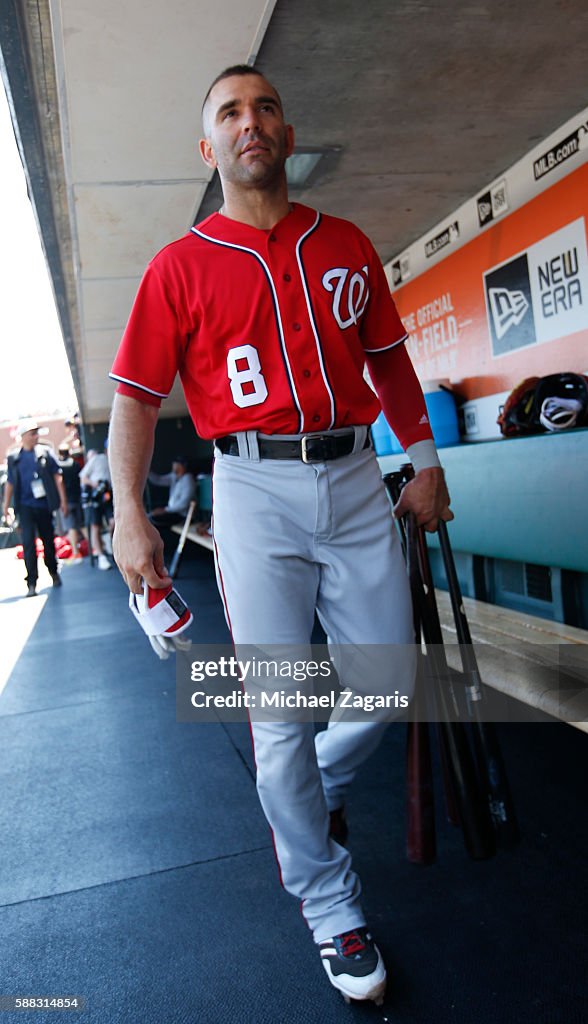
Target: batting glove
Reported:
point(163, 615)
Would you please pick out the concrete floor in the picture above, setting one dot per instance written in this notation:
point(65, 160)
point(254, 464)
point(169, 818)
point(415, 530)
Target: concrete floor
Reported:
point(138, 871)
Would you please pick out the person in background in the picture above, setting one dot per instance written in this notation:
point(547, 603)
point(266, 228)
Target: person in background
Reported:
point(34, 490)
point(182, 490)
point(72, 440)
point(73, 521)
point(96, 477)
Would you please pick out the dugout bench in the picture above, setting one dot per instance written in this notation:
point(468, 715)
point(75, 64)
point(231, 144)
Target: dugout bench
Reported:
point(538, 662)
point(197, 533)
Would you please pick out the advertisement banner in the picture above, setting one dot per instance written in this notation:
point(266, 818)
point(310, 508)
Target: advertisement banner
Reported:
point(510, 303)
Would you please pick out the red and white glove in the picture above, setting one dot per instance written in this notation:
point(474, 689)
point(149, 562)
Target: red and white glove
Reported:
point(163, 615)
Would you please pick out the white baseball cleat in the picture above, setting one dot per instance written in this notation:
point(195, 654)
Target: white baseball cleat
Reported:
point(354, 965)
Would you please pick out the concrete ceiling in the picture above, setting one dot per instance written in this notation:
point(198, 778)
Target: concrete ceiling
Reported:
point(422, 104)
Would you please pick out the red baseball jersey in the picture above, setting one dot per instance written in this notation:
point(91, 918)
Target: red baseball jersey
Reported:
point(268, 330)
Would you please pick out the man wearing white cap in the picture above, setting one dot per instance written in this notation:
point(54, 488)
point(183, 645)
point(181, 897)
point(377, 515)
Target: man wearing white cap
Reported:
point(35, 490)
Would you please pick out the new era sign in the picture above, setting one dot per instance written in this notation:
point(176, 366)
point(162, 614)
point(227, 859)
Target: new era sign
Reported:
point(541, 294)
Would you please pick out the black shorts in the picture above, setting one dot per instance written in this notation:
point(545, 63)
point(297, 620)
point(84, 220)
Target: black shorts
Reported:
point(98, 514)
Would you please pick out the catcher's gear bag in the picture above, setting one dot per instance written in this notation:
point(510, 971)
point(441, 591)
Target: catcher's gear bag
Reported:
point(163, 615)
point(537, 404)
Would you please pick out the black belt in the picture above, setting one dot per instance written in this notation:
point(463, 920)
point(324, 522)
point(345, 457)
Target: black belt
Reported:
point(310, 448)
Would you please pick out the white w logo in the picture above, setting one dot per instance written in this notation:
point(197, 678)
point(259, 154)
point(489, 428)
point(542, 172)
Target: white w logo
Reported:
point(358, 294)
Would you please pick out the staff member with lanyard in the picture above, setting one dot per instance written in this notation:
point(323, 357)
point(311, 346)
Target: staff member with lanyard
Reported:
point(35, 490)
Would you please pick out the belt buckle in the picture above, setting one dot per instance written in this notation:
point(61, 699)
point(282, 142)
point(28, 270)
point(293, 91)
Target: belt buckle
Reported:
point(305, 456)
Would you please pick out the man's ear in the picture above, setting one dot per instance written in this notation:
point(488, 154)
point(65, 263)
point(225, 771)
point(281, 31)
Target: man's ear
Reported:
point(207, 153)
point(289, 140)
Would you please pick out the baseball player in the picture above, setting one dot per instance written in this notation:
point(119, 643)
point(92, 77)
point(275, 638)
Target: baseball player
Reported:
point(270, 311)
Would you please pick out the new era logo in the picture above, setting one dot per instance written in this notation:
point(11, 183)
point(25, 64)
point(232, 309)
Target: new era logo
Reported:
point(484, 209)
point(510, 306)
point(493, 203)
point(507, 308)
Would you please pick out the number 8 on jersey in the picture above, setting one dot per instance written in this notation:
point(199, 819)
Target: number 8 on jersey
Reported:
point(248, 385)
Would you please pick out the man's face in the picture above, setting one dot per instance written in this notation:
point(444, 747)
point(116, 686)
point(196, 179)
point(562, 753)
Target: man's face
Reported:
point(178, 468)
point(29, 439)
point(247, 138)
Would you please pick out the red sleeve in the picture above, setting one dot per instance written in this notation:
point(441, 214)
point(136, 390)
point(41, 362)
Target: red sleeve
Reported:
point(141, 396)
point(401, 395)
point(152, 345)
point(381, 327)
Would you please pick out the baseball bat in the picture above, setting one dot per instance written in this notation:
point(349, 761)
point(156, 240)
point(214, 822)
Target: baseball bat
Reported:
point(487, 750)
point(451, 811)
point(419, 781)
point(463, 784)
point(464, 790)
point(421, 846)
point(472, 809)
point(177, 556)
point(451, 804)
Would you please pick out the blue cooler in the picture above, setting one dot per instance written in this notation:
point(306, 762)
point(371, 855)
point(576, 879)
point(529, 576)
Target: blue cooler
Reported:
point(385, 441)
point(442, 414)
point(442, 417)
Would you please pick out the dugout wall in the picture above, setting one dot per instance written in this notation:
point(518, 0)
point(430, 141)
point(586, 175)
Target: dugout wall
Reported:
point(495, 293)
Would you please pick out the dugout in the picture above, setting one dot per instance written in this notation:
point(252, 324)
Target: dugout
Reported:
point(141, 853)
point(479, 218)
point(496, 293)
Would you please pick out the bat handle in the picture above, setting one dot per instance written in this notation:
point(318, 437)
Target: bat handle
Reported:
point(451, 809)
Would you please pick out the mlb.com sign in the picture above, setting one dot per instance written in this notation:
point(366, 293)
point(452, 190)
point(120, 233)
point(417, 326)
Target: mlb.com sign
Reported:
point(541, 294)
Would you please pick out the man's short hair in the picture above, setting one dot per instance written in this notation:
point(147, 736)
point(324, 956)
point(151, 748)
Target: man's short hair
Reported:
point(182, 460)
point(235, 69)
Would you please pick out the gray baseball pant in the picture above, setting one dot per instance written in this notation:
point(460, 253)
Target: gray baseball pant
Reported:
point(292, 538)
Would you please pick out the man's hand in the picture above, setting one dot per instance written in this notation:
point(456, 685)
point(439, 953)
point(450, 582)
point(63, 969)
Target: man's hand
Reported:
point(427, 497)
point(138, 551)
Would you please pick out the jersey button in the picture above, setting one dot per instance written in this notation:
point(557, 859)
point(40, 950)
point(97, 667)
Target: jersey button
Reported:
point(297, 327)
point(316, 419)
point(287, 277)
point(306, 373)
